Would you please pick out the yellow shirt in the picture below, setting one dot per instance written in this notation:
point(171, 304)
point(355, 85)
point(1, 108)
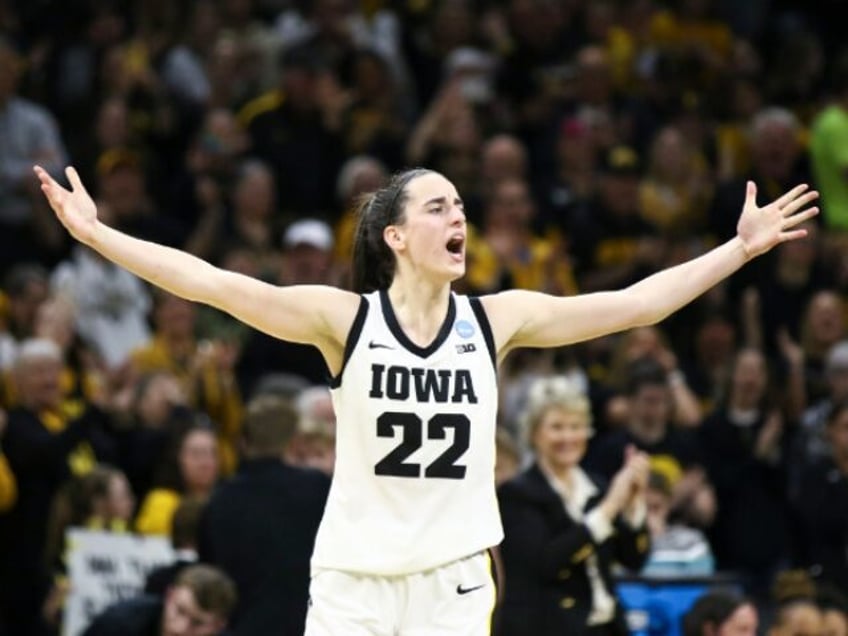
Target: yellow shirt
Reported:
point(539, 267)
point(8, 485)
point(156, 511)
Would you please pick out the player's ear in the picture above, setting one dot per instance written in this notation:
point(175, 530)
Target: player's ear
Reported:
point(393, 237)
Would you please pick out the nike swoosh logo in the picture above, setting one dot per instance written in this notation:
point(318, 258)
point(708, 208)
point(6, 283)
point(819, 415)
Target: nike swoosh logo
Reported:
point(466, 590)
point(377, 345)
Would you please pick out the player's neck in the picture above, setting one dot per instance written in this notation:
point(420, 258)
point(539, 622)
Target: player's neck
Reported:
point(420, 309)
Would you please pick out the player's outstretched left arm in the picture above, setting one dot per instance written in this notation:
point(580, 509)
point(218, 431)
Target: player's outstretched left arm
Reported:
point(530, 319)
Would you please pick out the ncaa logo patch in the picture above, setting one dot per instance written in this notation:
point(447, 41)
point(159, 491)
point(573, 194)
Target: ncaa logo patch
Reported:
point(464, 328)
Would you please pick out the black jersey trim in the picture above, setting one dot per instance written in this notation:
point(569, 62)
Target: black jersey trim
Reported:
point(403, 339)
point(485, 327)
point(352, 339)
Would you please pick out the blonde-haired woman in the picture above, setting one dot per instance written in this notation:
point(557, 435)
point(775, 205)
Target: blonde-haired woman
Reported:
point(564, 529)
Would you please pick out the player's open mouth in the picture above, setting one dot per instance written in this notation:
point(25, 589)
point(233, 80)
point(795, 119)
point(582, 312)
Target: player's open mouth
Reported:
point(456, 247)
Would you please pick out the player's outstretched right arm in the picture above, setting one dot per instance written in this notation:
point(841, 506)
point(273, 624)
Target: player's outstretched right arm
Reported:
point(311, 314)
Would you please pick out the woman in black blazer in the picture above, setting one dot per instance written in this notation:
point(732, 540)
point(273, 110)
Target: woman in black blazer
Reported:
point(564, 529)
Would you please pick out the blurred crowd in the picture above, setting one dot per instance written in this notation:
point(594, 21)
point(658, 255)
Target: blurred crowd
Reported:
point(593, 142)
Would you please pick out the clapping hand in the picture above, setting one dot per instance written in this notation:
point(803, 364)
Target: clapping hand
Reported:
point(629, 483)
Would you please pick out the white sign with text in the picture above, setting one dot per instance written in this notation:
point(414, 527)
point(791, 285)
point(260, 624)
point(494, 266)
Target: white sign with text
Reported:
point(106, 567)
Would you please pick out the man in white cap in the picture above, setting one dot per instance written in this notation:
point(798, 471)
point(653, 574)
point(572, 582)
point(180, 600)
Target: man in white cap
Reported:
point(308, 254)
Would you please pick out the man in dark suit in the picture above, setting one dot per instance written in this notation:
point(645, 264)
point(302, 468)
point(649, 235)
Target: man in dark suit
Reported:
point(260, 526)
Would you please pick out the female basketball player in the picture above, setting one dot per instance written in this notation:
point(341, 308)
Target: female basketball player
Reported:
point(402, 547)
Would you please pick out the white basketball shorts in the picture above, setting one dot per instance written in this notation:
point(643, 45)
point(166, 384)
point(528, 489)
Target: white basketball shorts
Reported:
point(456, 599)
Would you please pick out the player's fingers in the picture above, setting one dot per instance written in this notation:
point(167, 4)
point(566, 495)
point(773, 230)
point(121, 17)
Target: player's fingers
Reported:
point(793, 194)
point(796, 204)
point(792, 235)
point(74, 179)
point(43, 175)
point(797, 219)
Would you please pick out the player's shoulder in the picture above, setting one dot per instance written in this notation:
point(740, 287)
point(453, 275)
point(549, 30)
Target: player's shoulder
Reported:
point(509, 305)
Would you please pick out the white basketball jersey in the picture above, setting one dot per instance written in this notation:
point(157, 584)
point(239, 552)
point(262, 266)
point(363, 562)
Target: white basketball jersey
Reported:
point(414, 481)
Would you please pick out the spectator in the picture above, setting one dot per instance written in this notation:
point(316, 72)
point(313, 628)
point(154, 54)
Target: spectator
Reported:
point(676, 190)
point(572, 184)
point(184, 529)
point(827, 151)
point(25, 287)
point(807, 606)
point(563, 530)
point(713, 346)
point(152, 410)
point(251, 221)
point(28, 134)
point(127, 199)
point(719, 613)
point(202, 190)
point(111, 305)
point(821, 505)
point(374, 121)
point(744, 445)
point(299, 135)
point(673, 451)
point(676, 550)
point(502, 157)
point(810, 444)
point(448, 137)
point(833, 604)
point(508, 254)
point(44, 445)
point(83, 377)
point(823, 325)
point(198, 604)
point(616, 245)
point(797, 618)
point(649, 342)
point(783, 291)
point(260, 525)
point(361, 174)
point(99, 500)
point(307, 259)
point(776, 159)
point(313, 444)
point(192, 470)
point(204, 367)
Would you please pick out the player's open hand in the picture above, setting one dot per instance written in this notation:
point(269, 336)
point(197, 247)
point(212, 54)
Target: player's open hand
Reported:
point(761, 228)
point(74, 208)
